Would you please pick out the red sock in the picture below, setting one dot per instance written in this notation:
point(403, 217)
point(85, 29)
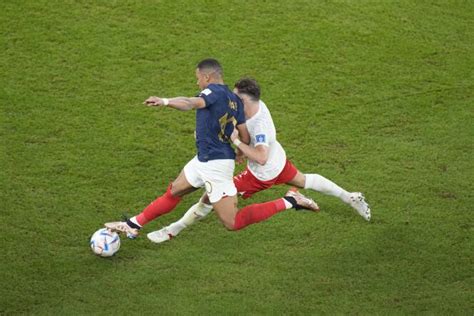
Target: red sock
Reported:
point(257, 212)
point(162, 205)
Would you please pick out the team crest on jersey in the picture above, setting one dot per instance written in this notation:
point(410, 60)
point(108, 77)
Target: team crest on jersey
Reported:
point(260, 138)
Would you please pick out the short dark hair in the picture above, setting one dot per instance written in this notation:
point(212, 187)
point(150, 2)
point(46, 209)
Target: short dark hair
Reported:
point(248, 86)
point(210, 64)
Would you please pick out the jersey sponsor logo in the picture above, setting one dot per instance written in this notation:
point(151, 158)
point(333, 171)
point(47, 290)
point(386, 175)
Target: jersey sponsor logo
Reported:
point(206, 91)
point(260, 138)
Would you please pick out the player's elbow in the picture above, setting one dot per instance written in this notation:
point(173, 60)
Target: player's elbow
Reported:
point(262, 160)
point(262, 156)
point(189, 105)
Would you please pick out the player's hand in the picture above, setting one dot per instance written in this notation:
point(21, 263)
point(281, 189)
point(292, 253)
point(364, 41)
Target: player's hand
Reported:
point(234, 135)
point(240, 157)
point(154, 101)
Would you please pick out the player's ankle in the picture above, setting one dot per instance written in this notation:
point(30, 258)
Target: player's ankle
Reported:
point(291, 200)
point(288, 203)
point(132, 222)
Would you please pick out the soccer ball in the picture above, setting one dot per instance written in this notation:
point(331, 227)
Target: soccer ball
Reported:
point(105, 243)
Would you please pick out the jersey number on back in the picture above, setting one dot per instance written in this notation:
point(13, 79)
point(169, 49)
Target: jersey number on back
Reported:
point(223, 122)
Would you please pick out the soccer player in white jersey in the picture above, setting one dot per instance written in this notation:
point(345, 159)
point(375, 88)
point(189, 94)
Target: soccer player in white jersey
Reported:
point(267, 166)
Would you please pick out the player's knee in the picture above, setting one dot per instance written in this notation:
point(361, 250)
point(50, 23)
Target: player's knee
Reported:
point(230, 225)
point(299, 180)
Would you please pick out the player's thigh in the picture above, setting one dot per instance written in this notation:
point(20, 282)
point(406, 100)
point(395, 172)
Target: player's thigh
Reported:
point(181, 186)
point(226, 209)
point(298, 181)
point(193, 171)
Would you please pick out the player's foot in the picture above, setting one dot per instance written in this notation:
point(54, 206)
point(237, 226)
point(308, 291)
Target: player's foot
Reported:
point(159, 236)
point(302, 202)
point(122, 227)
point(357, 201)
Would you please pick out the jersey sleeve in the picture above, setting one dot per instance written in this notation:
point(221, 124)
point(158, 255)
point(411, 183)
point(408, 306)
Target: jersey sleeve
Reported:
point(209, 96)
point(261, 135)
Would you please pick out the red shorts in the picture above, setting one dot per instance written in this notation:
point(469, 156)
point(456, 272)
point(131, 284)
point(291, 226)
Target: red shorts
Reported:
point(247, 184)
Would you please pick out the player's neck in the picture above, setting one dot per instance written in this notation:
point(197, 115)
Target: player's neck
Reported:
point(251, 108)
point(216, 81)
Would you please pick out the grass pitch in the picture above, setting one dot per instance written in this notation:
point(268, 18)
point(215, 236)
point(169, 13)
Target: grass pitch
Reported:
point(375, 95)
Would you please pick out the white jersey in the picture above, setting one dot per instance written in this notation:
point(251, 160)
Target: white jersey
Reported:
point(262, 132)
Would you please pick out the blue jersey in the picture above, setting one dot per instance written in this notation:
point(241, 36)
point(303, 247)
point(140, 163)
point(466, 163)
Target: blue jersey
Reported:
point(215, 122)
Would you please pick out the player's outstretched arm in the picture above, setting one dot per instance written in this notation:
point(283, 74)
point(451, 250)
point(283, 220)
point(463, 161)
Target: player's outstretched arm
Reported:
point(179, 103)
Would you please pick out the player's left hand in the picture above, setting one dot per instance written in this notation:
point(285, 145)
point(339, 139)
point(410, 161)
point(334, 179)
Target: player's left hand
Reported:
point(154, 101)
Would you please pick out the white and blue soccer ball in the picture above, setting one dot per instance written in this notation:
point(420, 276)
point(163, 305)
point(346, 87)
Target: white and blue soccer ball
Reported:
point(105, 243)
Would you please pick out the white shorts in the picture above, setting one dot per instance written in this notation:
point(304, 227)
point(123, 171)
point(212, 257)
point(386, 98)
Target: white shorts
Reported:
point(215, 175)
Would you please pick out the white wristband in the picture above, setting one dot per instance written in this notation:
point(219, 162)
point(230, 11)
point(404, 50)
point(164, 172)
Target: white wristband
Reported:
point(165, 101)
point(237, 142)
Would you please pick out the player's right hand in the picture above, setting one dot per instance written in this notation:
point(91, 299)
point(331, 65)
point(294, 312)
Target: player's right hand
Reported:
point(153, 101)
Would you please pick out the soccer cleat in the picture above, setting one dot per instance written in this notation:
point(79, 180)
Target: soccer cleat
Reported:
point(357, 201)
point(302, 202)
point(122, 227)
point(159, 236)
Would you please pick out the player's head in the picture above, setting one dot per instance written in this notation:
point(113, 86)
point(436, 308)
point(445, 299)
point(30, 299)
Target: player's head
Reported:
point(247, 88)
point(208, 71)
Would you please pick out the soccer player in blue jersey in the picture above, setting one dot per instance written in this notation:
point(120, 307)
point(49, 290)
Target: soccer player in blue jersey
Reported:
point(218, 112)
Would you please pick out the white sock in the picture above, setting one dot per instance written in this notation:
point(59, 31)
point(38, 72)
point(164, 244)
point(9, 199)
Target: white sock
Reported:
point(134, 220)
point(195, 213)
point(323, 185)
point(288, 205)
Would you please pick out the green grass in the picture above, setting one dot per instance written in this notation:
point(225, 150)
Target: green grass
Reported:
point(375, 95)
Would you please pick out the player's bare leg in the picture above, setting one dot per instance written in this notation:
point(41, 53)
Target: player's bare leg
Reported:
point(235, 219)
point(181, 186)
point(162, 205)
point(298, 181)
point(226, 210)
point(319, 183)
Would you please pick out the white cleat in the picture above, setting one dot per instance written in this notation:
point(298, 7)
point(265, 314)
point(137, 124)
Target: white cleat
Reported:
point(122, 227)
point(357, 201)
point(159, 236)
point(302, 201)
